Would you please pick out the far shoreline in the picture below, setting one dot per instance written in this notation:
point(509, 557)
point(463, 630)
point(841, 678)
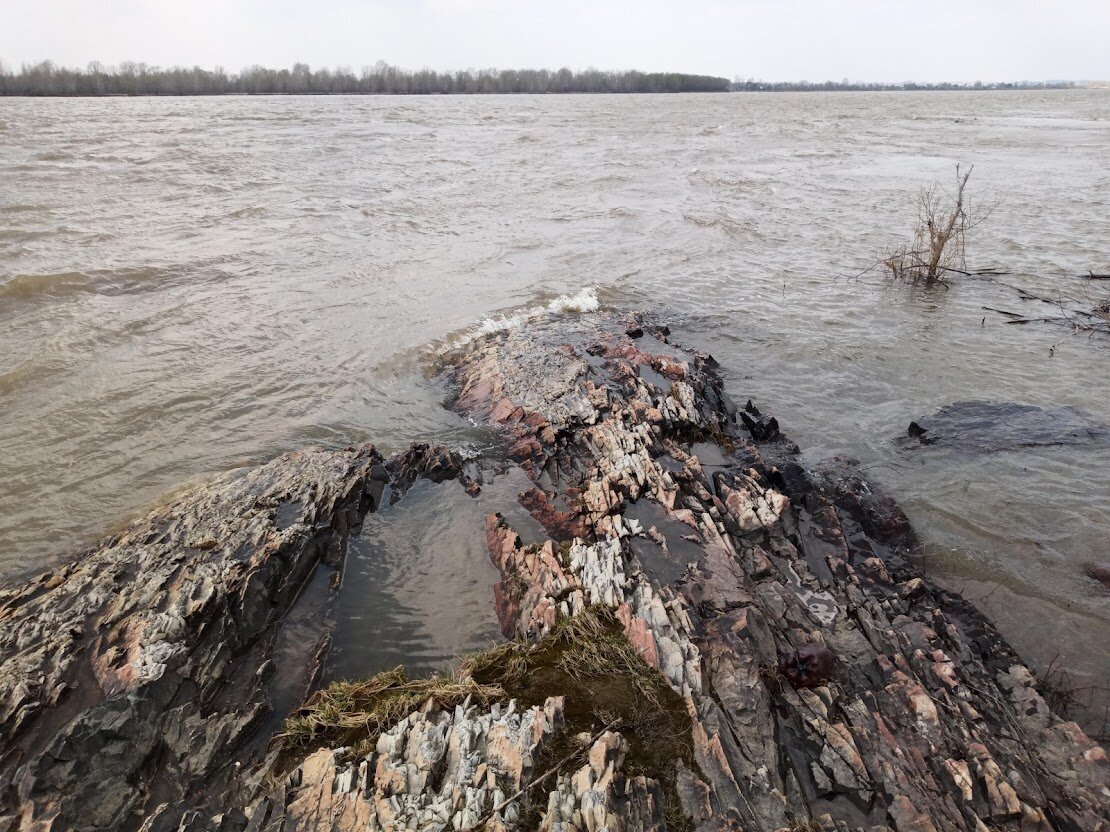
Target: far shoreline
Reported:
point(893, 91)
point(49, 80)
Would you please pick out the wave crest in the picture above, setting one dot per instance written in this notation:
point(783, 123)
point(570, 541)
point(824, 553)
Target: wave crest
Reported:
point(581, 302)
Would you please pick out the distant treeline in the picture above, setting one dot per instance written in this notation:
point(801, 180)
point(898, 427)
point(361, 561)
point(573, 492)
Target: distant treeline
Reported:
point(849, 86)
point(381, 79)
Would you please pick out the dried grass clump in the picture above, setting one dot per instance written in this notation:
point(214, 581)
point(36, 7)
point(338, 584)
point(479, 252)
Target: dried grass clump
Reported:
point(500, 665)
point(590, 645)
point(593, 646)
point(355, 713)
point(606, 685)
point(940, 238)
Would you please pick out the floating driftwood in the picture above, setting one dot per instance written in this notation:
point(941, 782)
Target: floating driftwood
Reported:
point(1080, 313)
point(713, 638)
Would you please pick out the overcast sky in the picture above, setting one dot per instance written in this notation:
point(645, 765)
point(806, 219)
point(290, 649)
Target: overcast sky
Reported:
point(879, 40)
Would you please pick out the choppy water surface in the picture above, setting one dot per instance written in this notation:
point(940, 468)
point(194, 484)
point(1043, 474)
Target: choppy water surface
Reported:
point(188, 285)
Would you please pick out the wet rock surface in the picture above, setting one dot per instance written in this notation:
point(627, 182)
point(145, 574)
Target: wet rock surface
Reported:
point(829, 682)
point(826, 684)
point(139, 674)
point(985, 427)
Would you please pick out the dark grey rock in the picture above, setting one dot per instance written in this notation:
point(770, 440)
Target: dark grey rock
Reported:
point(985, 427)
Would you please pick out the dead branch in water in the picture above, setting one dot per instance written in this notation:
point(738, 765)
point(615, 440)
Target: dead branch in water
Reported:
point(1066, 696)
point(1082, 313)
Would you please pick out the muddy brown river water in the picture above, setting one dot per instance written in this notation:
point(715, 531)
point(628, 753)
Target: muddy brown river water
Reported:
point(189, 285)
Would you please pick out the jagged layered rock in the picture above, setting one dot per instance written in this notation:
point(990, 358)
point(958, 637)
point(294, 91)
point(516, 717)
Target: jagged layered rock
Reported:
point(598, 797)
point(434, 769)
point(135, 675)
point(830, 683)
point(137, 669)
point(470, 768)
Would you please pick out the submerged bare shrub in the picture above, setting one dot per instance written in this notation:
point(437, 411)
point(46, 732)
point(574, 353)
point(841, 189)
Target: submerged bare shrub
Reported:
point(1102, 309)
point(940, 238)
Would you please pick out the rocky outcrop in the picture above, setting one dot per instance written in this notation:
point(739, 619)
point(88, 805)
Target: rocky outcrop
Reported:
point(469, 768)
point(132, 674)
point(822, 682)
point(598, 796)
point(136, 675)
point(830, 683)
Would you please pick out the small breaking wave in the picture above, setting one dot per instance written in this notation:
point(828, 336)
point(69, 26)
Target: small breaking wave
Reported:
point(107, 282)
point(32, 285)
point(581, 302)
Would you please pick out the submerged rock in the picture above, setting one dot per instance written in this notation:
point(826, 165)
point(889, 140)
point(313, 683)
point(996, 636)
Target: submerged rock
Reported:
point(1099, 572)
point(984, 427)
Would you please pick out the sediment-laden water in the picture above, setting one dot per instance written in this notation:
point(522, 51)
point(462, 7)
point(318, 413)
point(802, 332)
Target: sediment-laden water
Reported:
point(187, 285)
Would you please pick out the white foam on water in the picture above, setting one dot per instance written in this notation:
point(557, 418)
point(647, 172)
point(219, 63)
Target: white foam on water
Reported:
point(581, 302)
point(491, 325)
